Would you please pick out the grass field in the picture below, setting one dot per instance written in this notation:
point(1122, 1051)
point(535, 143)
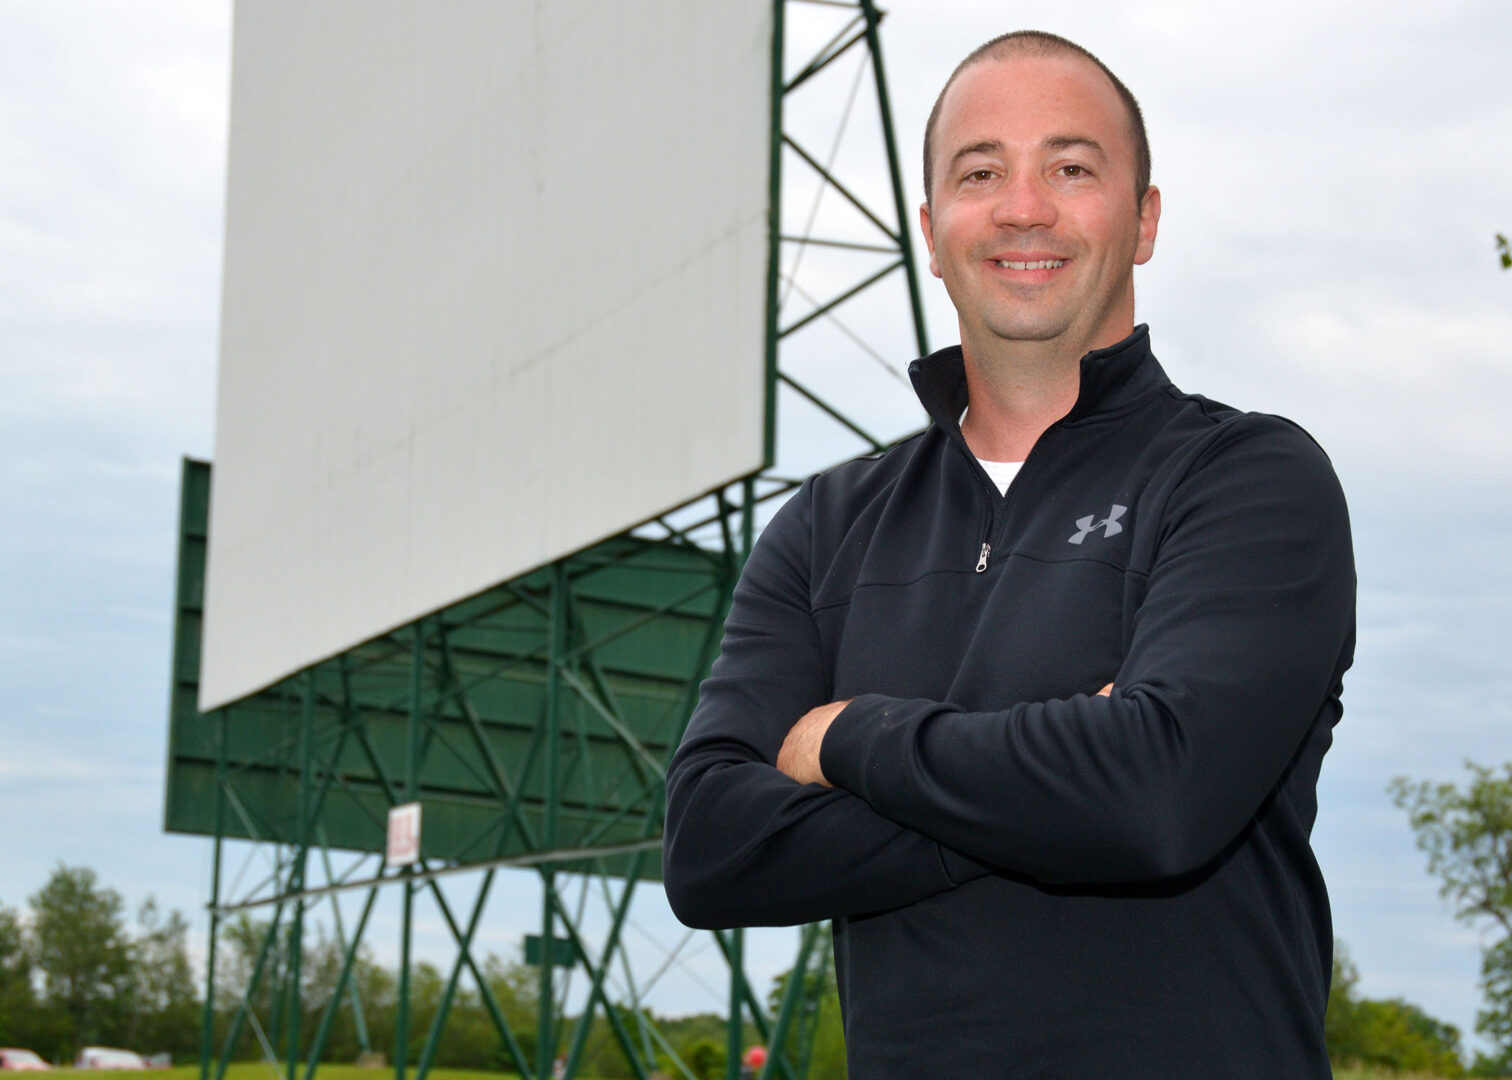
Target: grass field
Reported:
point(256, 1070)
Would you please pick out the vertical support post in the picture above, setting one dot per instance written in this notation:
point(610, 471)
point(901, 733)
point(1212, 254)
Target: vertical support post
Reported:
point(207, 1024)
point(358, 1018)
point(412, 791)
point(557, 646)
point(545, 995)
point(905, 228)
point(748, 520)
point(774, 234)
point(734, 1033)
point(297, 878)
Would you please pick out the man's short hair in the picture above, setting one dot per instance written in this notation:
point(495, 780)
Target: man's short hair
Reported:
point(1040, 43)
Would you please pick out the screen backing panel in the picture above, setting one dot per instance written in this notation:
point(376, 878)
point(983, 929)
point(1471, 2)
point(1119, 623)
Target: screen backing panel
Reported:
point(331, 745)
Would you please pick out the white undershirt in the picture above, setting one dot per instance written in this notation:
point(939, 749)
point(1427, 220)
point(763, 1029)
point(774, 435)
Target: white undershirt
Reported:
point(1000, 473)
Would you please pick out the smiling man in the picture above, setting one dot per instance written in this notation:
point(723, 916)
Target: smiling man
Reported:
point(1033, 705)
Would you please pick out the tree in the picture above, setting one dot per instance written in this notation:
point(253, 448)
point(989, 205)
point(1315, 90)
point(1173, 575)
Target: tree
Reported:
point(1467, 835)
point(164, 1014)
point(1505, 249)
point(83, 954)
point(17, 1002)
point(1495, 1020)
point(1391, 1034)
point(705, 1057)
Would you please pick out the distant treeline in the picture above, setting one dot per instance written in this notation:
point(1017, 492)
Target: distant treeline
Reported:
point(73, 973)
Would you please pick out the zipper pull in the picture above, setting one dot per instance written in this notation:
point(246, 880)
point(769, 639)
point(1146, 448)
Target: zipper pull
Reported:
point(982, 562)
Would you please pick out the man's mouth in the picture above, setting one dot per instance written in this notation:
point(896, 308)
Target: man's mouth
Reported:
point(1039, 264)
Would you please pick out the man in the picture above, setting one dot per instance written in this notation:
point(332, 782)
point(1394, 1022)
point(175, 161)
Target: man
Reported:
point(1044, 747)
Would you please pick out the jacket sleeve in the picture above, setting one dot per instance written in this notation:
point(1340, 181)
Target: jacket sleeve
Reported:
point(1235, 651)
point(744, 844)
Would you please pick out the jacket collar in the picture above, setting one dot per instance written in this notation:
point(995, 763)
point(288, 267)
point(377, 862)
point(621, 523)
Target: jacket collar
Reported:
point(1110, 378)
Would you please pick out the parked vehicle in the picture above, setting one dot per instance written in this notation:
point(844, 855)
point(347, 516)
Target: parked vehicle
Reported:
point(21, 1060)
point(108, 1057)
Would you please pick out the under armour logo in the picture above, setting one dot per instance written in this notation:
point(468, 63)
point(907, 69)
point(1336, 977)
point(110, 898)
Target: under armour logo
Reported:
point(1109, 525)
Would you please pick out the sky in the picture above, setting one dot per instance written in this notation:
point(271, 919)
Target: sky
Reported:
point(1333, 175)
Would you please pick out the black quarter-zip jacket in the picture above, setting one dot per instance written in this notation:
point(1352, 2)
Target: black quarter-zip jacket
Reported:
point(1027, 879)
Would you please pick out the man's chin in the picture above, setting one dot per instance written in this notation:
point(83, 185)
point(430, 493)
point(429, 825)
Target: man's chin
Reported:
point(1040, 329)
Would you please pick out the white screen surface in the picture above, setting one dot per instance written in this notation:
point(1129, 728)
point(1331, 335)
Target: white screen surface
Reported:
point(494, 290)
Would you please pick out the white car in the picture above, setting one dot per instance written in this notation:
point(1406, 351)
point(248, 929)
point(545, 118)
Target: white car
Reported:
point(106, 1057)
point(21, 1060)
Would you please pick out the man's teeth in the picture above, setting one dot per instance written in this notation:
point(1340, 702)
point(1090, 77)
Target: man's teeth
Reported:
point(1043, 264)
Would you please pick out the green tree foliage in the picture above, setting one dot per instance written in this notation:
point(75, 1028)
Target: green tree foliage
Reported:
point(1505, 251)
point(1467, 836)
point(18, 1004)
point(702, 1042)
point(1495, 1020)
point(81, 948)
point(105, 984)
point(1391, 1034)
point(164, 1010)
point(705, 1057)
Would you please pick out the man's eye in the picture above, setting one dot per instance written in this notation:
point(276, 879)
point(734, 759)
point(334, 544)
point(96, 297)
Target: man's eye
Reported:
point(1073, 170)
point(979, 174)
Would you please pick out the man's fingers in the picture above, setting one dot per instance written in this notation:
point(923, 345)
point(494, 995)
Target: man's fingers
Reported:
point(1105, 691)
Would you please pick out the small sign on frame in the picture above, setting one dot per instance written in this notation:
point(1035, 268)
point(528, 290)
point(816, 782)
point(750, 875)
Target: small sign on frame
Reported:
point(404, 835)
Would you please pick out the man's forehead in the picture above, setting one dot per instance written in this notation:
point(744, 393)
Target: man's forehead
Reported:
point(1028, 82)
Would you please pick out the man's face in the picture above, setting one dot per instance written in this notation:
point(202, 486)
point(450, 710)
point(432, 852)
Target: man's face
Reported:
point(1034, 226)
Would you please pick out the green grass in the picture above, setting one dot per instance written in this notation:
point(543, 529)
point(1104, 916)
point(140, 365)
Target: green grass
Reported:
point(259, 1070)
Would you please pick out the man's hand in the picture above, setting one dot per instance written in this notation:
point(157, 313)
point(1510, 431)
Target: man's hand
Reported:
point(799, 756)
point(1106, 691)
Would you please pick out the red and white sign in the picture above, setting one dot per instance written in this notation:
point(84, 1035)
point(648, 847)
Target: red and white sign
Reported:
point(404, 835)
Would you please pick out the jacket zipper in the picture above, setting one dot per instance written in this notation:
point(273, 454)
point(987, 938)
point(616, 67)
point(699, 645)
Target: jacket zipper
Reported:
point(994, 497)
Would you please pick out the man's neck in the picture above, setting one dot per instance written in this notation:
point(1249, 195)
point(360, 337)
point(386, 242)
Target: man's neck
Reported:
point(1014, 395)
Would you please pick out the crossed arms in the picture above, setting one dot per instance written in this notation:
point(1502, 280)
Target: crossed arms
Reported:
point(1235, 655)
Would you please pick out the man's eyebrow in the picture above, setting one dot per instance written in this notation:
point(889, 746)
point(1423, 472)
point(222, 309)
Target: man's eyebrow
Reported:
point(1066, 142)
point(988, 146)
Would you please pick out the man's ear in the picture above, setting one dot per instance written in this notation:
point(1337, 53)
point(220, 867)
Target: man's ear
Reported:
point(928, 229)
point(1149, 222)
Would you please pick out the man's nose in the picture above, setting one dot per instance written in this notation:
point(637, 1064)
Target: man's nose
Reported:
point(1024, 201)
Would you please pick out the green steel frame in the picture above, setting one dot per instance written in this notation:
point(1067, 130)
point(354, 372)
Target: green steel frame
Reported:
point(533, 722)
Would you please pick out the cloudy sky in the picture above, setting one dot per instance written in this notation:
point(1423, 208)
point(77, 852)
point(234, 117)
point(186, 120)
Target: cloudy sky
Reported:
point(1333, 174)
